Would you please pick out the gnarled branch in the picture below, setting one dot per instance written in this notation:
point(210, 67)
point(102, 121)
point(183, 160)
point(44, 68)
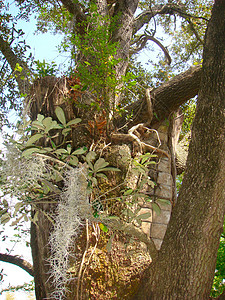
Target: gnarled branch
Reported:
point(143, 39)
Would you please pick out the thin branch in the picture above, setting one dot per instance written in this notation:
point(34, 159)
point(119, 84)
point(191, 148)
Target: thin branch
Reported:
point(141, 43)
point(18, 261)
point(195, 31)
point(143, 145)
point(169, 9)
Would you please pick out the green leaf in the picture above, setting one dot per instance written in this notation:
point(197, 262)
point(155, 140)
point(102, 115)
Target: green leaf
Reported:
point(65, 131)
point(127, 212)
point(38, 125)
point(73, 161)
point(60, 151)
point(143, 216)
point(60, 115)
point(28, 152)
point(128, 192)
point(18, 68)
point(79, 151)
point(163, 201)
point(17, 207)
point(69, 148)
point(101, 175)
point(14, 223)
point(47, 149)
point(156, 208)
point(25, 217)
point(53, 145)
point(47, 122)
point(90, 165)
point(91, 155)
point(40, 117)
point(103, 227)
point(73, 122)
point(55, 125)
point(33, 139)
point(84, 88)
point(35, 217)
point(100, 164)
point(46, 189)
point(75, 87)
point(5, 218)
point(109, 169)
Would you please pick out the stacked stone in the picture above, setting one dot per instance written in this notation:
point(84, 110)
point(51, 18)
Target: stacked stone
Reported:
point(156, 225)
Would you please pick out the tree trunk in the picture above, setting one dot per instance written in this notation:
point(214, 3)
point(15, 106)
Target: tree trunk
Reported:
point(184, 268)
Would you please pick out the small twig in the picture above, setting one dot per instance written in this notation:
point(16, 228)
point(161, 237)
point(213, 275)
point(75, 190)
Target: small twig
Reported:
point(107, 145)
point(142, 144)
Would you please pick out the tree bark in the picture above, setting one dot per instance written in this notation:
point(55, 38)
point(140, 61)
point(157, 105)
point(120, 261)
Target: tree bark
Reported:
point(185, 265)
point(18, 261)
point(21, 77)
point(166, 98)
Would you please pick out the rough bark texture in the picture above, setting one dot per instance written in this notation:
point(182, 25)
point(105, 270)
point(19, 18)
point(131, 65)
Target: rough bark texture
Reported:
point(166, 99)
point(185, 265)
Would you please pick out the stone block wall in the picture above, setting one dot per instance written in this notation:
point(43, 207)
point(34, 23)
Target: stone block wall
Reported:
point(155, 226)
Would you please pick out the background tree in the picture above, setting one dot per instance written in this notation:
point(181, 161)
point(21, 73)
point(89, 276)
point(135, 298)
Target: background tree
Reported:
point(102, 36)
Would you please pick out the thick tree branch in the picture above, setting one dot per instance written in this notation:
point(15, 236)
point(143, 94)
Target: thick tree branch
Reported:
point(20, 262)
point(75, 9)
point(102, 7)
point(12, 59)
point(166, 99)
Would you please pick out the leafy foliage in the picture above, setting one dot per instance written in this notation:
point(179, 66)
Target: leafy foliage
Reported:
point(45, 69)
point(97, 59)
point(219, 279)
point(39, 174)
